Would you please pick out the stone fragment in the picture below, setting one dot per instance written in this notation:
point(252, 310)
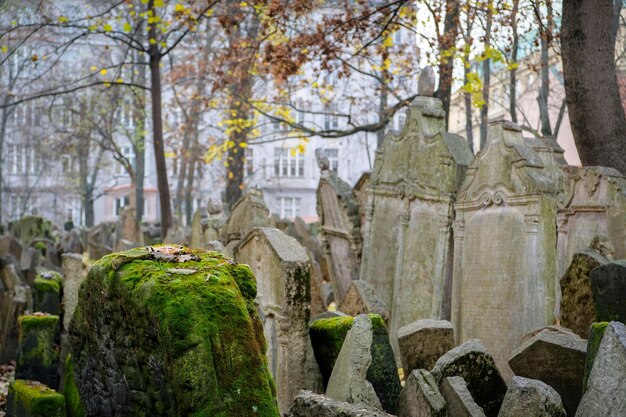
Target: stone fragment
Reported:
point(71, 242)
point(421, 397)
point(9, 244)
point(556, 358)
point(47, 292)
point(361, 298)
point(127, 229)
point(308, 404)
point(38, 353)
point(596, 332)
point(348, 381)
point(577, 307)
point(472, 362)
point(30, 227)
point(423, 342)
point(282, 270)
point(170, 344)
point(426, 82)
point(100, 240)
point(606, 386)
point(608, 283)
point(73, 275)
point(33, 399)
point(459, 399)
point(30, 262)
point(327, 337)
point(15, 300)
point(529, 397)
point(248, 212)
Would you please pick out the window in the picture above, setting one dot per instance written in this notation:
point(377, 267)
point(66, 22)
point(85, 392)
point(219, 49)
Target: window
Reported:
point(289, 207)
point(288, 162)
point(120, 203)
point(22, 160)
point(129, 154)
point(72, 210)
point(69, 165)
point(331, 120)
point(248, 162)
point(333, 159)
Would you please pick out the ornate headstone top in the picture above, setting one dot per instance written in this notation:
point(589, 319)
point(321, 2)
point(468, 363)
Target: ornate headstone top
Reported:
point(322, 159)
point(426, 82)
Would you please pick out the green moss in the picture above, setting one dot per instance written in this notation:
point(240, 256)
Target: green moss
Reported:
point(210, 339)
point(38, 354)
point(41, 247)
point(596, 333)
point(327, 336)
point(73, 403)
point(32, 399)
point(36, 322)
point(48, 281)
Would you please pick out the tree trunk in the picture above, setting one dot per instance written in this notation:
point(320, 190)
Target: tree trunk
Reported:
point(382, 106)
point(513, 74)
point(447, 42)
point(595, 109)
point(469, 128)
point(545, 32)
point(3, 129)
point(235, 156)
point(484, 110)
point(189, 188)
point(157, 128)
point(139, 116)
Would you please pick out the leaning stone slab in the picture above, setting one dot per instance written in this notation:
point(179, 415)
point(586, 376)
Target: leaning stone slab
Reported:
point(421, 397)
point(308, 404)
point(15, 300)
point(596, 333)
point(10, 245)
point(327, 337)
point(38, 354)
point(423, 342)
point(529, 397)
point(608, 283)
point(605, 394)
point(168, 330)
point(459, 399)
point(477, 367)
point(33, 399)
point(556, 358)
point(73, 403)
point(47, 294)
point(348, 380)
point(361, 298)
point(577, 307)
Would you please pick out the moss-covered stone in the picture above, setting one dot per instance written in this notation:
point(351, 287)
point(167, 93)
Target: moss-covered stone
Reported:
point(33, 399)
point(170, 331)
point(38, 354)
point(30, 227)
point(327, 336)
point(596, 332)
point(47, 294)
point(73, 403)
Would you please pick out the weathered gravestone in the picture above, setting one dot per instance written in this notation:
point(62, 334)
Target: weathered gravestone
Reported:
point(409, 215)
point(167, 330)
point(38, 354)
point(30, 227)
point(340, 227)
point(34, 399)
point(362, 298)
point(606, 384)
point(10, 245)
point(459, 399)
point(505, 245)
point(127, 231)
point(471, 362)
point(71, 242)
point(608, 284)
point(577, 307)
point(309, 404)
point(596, 332)
point(361, 193)
point(248, 212)
point(556, 358)
point(282, 270)
point(423, 342)
point(100, 240)
point(529, 397)
point(47, 292)
point(15, 300)
point(421, 397)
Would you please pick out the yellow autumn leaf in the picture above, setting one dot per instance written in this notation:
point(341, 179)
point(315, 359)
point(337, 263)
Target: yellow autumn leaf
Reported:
point(127, 27)
point(63, 19)
point(179, 8)
point(152, 41)
point(5, 49)
point(243, 145)
point(107, 28)
point(230, 175)
point(103, 71)
point(170, 155)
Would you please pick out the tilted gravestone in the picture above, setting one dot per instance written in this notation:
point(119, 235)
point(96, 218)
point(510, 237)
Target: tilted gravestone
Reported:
point(505, 245)
point(529, 397)
point(340, 227)
point(423, 342)
point(459, 399)
point(100, 240)
point(361, 190)
point(421, 397)
point(127, 229)
point(608, 285)
point(38, 354)
point(282, 270)
point(15, 300)
point(309, 404)
point(248, 212)
point(409, 215)
point(169, 330)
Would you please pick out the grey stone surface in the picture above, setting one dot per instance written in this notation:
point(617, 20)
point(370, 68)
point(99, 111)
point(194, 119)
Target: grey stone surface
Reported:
point(282, 270)
point(421, 397)
point(74, 274)
point(556, 358)
point(361, 298)
point(472, 362)
point(15, 300)
point(529, 397)
point(426, 82)
point(606, 386)
point(340, 229)
point(128, 235)
point(348, 380)
point(608, 284)
point(309, 404)
point(505, 242)
point(71, 243)
point(409, 214)
point(248, 212)
point(423, 342)
point(100, 240)
point(577, 307)
point(459, 399)
point(9, 244)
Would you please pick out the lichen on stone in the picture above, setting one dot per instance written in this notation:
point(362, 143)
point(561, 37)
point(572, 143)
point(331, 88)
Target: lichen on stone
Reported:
point(33, 399)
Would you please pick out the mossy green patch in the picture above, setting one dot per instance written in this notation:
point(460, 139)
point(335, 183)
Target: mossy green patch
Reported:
point(48, 281)
point(183, 334)
point(596, 333)
point(33, 399)
point(73, 403)
point(38, 354)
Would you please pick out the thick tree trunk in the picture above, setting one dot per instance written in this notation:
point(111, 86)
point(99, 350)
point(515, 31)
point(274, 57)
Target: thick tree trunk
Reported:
point(139, 116)
point(235, 156)
point(447, 42)
point(484, 110)
point(595, 109)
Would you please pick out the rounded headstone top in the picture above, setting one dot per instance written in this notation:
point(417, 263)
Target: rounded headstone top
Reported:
point(426, 82)
point(322, 159)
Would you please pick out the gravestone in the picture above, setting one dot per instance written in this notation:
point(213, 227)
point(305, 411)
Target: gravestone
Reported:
point(556, 358)
point(47, 292)
point(596, 333)
point(459, 399)
point(282, 270)
point(34, 399)
point(169, 330)
point(127, 229)
point(38, 354)
point(71, 242)
point(340, 227)
point(529, 397)
point(248, 212)
point(423, 342)
point(505, 245)
point(30, 227)
point(15, 300)
point(421, 397)
point(362, 298)
point(9, 244)
point(309, 404)
point(409, 215)
point(360, 191)
point(608, 284)
point(100, 240)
